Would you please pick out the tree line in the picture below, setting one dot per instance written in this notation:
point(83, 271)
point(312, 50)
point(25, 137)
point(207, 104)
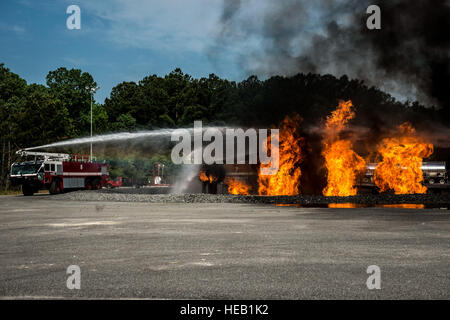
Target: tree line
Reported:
point(35, 114)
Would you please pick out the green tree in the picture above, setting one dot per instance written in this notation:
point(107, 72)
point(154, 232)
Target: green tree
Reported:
point(71, 87)
point(125, 98)
point(154, 110)
point(38, 117)
point(193, 113)
point(10, 84)
point(100, 120)
point(11, 87)
point(125, 122)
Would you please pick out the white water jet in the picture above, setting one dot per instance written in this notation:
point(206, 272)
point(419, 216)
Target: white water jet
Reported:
point(121, 136)
point(109, 137)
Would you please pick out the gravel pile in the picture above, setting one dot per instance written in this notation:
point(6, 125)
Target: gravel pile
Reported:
point(142, 190)
point(138, 195)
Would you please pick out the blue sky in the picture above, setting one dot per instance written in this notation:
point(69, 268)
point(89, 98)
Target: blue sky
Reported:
point(119, 40)
point(126, 40)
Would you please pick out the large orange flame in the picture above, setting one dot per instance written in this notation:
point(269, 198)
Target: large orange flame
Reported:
point(342, 163)
point(236, 186)
point(287, 180)
point(400, 169)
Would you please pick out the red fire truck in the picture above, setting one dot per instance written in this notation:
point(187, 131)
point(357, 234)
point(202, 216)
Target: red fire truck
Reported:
point(57, 172)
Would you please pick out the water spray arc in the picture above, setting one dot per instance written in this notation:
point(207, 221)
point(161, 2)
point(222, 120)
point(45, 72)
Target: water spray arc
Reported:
point(113, 137)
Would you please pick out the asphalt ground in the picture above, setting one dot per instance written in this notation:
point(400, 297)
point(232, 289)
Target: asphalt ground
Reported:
point(220, 250)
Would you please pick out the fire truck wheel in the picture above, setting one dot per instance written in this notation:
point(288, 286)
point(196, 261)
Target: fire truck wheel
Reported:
point(55, 187)
point(27, 190)
point(96, 184)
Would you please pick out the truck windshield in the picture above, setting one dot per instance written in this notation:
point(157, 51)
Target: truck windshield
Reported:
point(25, 168)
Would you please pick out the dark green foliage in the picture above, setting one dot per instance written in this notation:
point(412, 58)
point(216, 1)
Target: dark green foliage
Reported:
point(71, 87)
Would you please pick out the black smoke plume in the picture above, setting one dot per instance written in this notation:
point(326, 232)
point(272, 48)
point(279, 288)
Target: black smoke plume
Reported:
point(408, 57)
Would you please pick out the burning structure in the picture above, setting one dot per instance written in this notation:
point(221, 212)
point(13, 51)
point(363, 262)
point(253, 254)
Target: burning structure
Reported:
point(211, 176)
point(237, 187)
point(400, 168)
point(401, 165)
point(434, 177)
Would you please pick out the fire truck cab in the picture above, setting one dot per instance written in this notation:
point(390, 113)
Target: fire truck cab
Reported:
point(57, 172)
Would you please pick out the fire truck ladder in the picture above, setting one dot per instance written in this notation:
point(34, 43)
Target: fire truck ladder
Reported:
point(46, 155)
